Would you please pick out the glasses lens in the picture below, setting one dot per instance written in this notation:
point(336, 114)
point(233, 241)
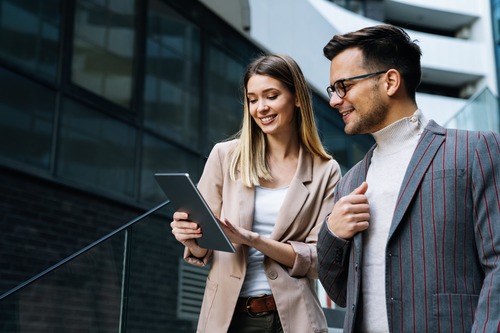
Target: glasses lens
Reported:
point(339, 88)
point(329, 91)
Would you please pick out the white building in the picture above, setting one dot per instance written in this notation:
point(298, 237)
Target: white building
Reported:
point(459, 73)
point(459, 83)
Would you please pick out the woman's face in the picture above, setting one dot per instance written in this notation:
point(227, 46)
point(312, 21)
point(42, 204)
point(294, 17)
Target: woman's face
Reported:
point(272, 105)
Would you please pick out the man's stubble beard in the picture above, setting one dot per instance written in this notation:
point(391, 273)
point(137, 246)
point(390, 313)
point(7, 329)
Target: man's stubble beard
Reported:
point(369, 122)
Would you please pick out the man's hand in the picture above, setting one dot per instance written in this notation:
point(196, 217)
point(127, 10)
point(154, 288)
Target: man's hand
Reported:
point(351, 214)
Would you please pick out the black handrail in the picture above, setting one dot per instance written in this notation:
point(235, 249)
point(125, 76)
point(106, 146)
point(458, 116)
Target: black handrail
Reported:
point(80, 252)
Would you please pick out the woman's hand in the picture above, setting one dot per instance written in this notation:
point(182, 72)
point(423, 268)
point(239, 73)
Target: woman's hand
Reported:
point(186, 232)
point(238, 235)
point(281, 252)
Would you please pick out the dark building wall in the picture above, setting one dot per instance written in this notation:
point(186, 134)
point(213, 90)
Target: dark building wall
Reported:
point(77, 159)
point(42, 223)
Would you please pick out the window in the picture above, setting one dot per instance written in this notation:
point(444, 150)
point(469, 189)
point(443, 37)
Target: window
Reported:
point(224, 107)
point(26, 123)
point(96, 150)
point(160, 156)
point(103, 48)
point(32, 45)
point(172, 82)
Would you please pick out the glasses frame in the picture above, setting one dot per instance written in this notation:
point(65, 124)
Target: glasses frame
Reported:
point(339, 86)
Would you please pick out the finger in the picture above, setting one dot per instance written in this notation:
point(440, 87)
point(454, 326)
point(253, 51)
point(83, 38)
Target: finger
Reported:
point(180, 216)
point(186, 234)
point(361, 189)
point(185, 225)
point(361, 226)
point(357, 207)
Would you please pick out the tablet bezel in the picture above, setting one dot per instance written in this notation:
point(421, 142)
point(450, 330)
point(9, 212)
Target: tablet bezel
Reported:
point(185, 196)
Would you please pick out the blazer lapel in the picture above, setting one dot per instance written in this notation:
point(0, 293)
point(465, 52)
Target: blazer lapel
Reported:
point(296, 195)
point(357, 179)
point(247, 202)
point(432, 139)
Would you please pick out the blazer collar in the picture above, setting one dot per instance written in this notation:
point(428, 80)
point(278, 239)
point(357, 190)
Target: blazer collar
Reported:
point(427, 147)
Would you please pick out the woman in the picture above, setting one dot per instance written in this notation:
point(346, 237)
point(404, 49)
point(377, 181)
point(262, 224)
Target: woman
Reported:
point(271, 187)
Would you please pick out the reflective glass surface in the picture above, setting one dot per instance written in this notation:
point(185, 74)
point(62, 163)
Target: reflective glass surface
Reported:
point(82, 296)
point(26, 124)
point(96, 150)
point(32, 45)
point(224, 107)
point(103, 48)
point(122, 284)
point(481, 113)
point(172, 86)
point(160, 156)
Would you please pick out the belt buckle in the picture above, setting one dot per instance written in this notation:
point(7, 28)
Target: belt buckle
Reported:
point(250, 313)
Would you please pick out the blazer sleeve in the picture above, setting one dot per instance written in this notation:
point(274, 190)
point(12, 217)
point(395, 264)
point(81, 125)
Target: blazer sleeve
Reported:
point(210, 187)
point(486, 196)
point(333, 262)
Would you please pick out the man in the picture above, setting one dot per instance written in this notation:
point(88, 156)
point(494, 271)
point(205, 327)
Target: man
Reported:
point(413, 241)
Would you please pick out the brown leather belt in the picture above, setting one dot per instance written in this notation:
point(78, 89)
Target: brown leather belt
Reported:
point(256, 306)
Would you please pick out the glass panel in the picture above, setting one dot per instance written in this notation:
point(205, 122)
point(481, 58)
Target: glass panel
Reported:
point(27, 118)
point(103, 48)
point(82, 296)
point(171, 88)
point(160, 156)
point(29, 31)
point(224, 106)
point(96, 150)
point(154, 270)
point(479, 114)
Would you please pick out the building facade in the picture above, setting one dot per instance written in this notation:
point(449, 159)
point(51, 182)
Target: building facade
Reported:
point(98, 95)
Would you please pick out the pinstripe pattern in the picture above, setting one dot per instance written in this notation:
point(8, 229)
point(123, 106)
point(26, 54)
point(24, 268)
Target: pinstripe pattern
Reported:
point(442, 253)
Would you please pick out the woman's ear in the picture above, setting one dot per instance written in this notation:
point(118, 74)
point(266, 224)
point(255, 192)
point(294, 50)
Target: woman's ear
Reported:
point(392, 81)
point(297, 103)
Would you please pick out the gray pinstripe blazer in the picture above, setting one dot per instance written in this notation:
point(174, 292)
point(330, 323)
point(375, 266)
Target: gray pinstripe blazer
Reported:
point(442, 252)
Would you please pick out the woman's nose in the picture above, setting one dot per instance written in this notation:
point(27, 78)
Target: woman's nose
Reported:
point(261, 106)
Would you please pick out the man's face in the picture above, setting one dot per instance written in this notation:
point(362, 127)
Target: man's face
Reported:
point(363, 108)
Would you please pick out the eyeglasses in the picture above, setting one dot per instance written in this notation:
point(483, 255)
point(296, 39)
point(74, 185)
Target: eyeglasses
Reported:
point(339, 86)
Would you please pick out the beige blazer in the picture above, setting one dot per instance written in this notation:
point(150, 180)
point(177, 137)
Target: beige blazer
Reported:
point(308, 200)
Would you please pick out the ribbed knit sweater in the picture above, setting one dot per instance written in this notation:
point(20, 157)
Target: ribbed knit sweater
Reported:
point(395, 146)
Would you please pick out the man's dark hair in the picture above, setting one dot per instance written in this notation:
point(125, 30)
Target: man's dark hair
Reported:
point(384, 47)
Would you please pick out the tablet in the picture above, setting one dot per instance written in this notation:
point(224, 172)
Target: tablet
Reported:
point(184, 196)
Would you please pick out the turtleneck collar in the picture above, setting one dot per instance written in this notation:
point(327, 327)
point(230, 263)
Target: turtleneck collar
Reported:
point(395, 136)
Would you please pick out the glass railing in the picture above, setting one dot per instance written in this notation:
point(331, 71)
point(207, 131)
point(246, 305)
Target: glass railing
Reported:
point(119, 283)
point(116, 284)
point(481, 113)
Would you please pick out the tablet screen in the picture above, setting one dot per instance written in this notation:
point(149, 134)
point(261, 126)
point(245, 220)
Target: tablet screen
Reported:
point(184, 196)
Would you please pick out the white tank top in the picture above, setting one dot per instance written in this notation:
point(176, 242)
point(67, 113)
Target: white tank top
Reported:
point(268, 203)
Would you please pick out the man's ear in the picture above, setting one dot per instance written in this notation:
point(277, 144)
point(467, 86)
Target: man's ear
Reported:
point(392, 81)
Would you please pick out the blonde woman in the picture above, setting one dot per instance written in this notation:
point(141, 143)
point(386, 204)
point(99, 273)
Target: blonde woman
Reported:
point(271, 188)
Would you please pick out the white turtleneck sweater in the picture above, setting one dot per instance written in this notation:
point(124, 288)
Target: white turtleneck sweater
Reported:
point(395, 146)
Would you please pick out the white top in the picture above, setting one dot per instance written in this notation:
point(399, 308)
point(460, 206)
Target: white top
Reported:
point(395, 146)
point(268, 202)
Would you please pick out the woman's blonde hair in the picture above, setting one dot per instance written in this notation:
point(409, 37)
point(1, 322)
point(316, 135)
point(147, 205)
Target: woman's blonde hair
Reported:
point(249, 156)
